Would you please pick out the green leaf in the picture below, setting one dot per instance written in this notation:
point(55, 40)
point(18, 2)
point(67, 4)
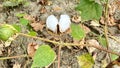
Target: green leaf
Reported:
point(90, 10)
point(44, 56)
point(114, 57)
point(23, 21)
point(32, 33)
point(77, 32)
point(102, 41)
point(85, 61)
point(6, 31)
point(20, 14)
point(17, 27)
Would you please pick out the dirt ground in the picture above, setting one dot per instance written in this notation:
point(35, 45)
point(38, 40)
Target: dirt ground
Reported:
point(57, 7)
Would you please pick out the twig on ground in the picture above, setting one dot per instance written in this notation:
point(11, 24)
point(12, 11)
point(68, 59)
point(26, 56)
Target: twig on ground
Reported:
point(19, 56)
point(65, 44)
point(59, 56)
point(71, 44)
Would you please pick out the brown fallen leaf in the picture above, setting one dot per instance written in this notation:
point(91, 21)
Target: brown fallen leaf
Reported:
point(38, 26)
point(92, 42)
point(92, 50)
point(86, 29)
point(110, 21)
point(32, 47)
point(81, 42)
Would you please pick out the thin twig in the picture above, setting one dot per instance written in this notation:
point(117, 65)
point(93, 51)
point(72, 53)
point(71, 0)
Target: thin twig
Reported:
point(105, 49)
point(59, 56)
point(19, 56)
point(106, 27)
point(70, 44)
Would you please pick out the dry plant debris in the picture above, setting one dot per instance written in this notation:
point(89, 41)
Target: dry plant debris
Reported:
point(38, 26)
point(76, 19)
point(43, 2)
point(31, 48)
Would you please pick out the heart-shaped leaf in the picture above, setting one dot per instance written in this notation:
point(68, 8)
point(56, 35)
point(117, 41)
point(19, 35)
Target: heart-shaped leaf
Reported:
point(85, 61)
point(6, 31)
point(77, 32)
point(44, 56)
point(90, 10)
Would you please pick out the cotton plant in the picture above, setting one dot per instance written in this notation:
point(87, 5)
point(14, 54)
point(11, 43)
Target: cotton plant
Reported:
point(63, 23)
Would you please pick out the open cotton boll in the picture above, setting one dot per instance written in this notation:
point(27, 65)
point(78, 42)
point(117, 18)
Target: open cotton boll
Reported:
point(51, 23)
point(64, 23)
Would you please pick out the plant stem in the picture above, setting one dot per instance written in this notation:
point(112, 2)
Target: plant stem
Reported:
point(106, 26)
point(70, 44)
point(59, 56)
point(65, 44)
point(19, 56)
point(106, 21)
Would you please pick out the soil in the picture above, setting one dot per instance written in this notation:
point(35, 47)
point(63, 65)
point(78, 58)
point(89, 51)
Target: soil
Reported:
point(68, 54)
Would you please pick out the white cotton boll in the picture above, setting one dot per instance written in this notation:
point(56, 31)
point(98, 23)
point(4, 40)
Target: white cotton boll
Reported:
point(64, 23)
point(52, 22)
